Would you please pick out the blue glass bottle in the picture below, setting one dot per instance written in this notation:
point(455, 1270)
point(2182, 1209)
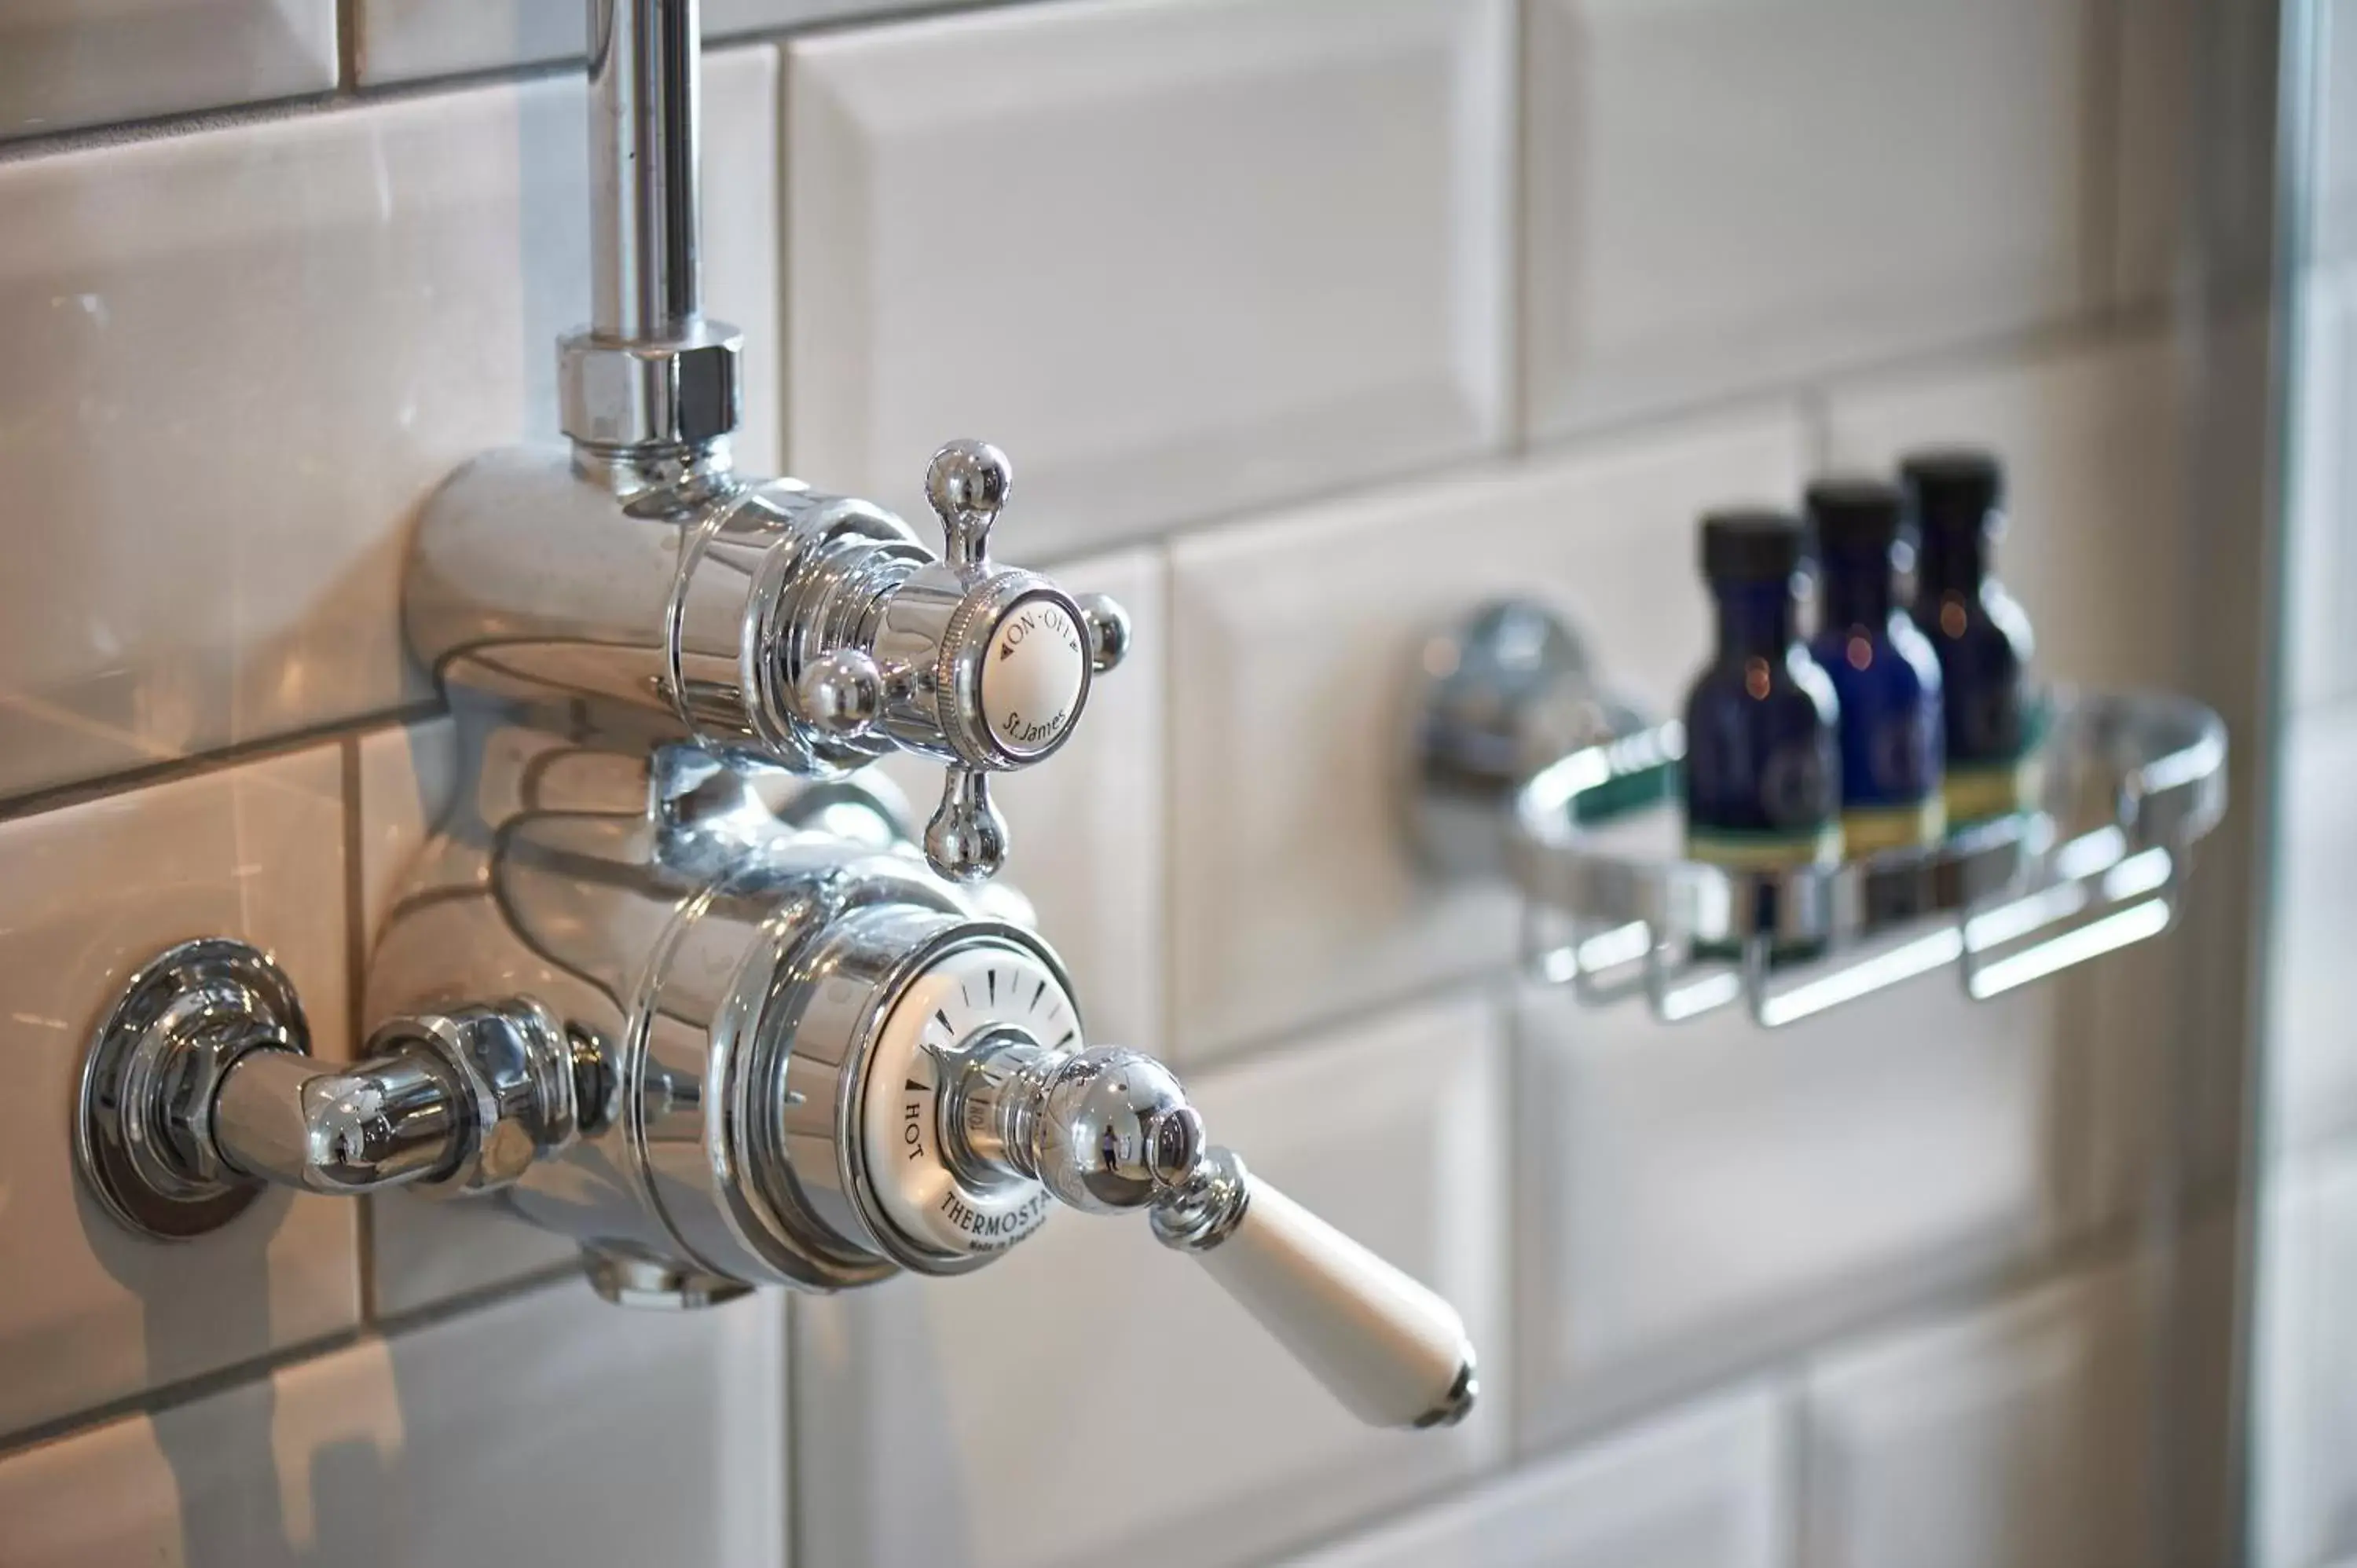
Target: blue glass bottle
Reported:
point(1763, 764)
point(1995, 723)
point(1883, 672)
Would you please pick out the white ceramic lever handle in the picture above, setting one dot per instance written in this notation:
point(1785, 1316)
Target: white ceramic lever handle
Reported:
point(1393, 1352)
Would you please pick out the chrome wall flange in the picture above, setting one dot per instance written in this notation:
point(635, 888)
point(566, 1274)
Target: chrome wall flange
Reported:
point(1497, 695)
point(152, 1071)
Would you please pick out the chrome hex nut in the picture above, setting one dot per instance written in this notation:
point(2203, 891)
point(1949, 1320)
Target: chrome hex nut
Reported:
point(511, 1067)
point(629, 396)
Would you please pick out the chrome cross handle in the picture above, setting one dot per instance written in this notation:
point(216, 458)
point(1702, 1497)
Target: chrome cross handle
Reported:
point(1108, 1130)
point(764, 620)
point(983, 666)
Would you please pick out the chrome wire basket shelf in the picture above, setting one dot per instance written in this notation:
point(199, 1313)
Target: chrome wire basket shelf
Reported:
point(1615, 909)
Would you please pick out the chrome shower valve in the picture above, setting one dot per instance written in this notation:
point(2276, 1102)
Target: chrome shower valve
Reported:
point(671, 979)
point(746, 1040)
point(634, 591)
point(813, 631)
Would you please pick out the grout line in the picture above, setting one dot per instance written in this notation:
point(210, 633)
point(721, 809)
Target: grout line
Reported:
point(1229, 1054)
point(1795, 1473)
point(1165, 814)
point(348, 46)
point(1982, 1290)
point(355, 982)
point(2101, 202)
point(350, 92)
point(2027, 345)
point(162, 127)
point(782, 236)
point(1516, 221)
point(2117, 328)
point(791, 1495)
point(1782, 1372)
point(1817, 427)
point(58, 796)
point(166, 1398)
point(1521, 1205)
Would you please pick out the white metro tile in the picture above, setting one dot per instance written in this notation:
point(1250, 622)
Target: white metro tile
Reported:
point(2311, 984)
point(243, 356)
point(2019, 1437)
point(546, 1432)
point(2202, 1337)
point(1210, 254)
point(2304, 1421)
point(2193, 186)
point(70, 62)
point(1725, 195)
point(405, 40)
point(1086, 825)
point(1700, 1194)
point(1294, 640)
point(1700, 1487)
point(425, 1249)
point(91, 1312)
point(1094, 1395)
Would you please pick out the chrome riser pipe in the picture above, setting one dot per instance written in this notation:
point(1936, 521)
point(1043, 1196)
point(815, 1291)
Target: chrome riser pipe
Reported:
point(646, 264)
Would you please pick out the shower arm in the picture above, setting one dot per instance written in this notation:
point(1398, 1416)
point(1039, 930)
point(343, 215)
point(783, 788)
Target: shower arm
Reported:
point(650, 389)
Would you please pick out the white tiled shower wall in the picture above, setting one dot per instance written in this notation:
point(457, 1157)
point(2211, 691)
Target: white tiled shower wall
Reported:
point(1308, 322)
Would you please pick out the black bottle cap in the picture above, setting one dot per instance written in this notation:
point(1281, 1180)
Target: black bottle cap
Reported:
point(1750, 544)
point(1855, 516)
point(1953, 490)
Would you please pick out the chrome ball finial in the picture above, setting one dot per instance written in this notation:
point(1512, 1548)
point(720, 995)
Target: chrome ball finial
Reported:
point(841, 692)
point(1108, 628)
point(967, 484)
point(1114, 1131)
point(966, 840)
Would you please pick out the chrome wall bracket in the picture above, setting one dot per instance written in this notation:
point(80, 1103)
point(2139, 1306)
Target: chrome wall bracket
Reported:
point(142, 1128)
point(200, 1091)
point(1521, 764)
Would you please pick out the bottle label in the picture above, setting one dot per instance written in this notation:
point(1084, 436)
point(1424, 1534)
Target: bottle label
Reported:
point(1740, 851)
point(1871, 829)
point(1982, 791)
point(1978, 790)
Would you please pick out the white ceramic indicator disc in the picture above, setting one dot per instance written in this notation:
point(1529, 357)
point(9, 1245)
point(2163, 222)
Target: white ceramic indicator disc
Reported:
point(965, 992)
point(1033, 674)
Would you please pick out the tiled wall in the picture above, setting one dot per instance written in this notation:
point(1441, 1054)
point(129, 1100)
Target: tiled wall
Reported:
point(1308, 322)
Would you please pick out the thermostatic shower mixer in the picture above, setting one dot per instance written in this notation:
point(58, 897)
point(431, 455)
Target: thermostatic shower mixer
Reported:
point(673, 978)
point(602, 594)
point(746, 1039)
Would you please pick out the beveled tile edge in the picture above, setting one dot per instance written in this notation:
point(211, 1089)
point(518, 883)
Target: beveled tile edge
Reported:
point(313, 72)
